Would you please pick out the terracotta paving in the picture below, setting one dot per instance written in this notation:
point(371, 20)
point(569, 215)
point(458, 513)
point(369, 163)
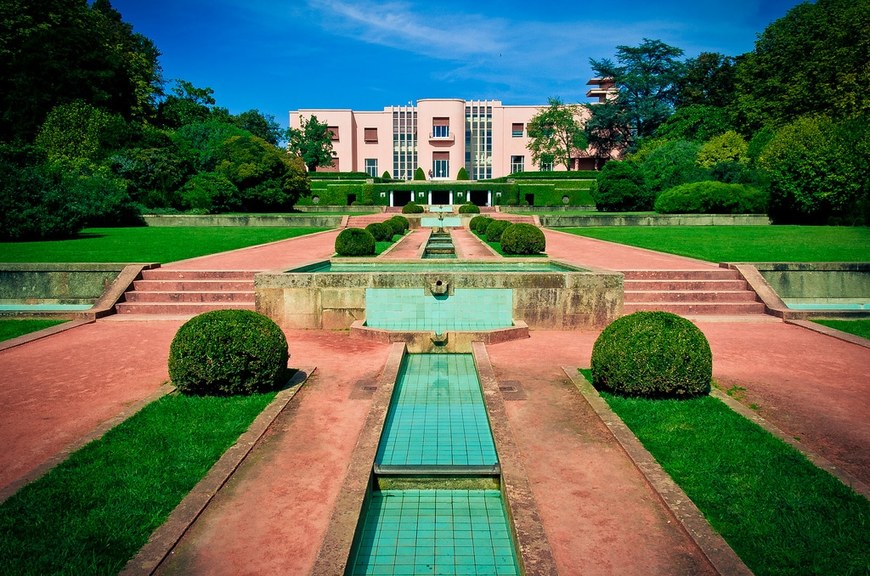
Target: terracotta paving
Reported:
point(410, 246)
point(599, 515)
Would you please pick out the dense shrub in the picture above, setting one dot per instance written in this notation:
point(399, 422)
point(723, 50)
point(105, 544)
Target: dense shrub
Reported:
point(727, 147)
point(655, 354)
point(712, 198)
point(386, 176)
point(226, 352)
point(495, 229)
point(399, 224)
point(523, 239)
point(355, 242)
point(381, 231)
point(419, 174)
point(462, 174)
point(479, 223)
point(621, 188)
point(412, 208)
point(469, 209)
point(670, 164)
point(211, 192)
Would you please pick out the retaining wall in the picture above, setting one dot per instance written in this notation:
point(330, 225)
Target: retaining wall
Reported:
point(557, 221)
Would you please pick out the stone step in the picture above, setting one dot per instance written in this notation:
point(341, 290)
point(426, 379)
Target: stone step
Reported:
point(171, 274)
point(181, 308)
point(363, 221)
point(174, 297)
point(690, 296)
point(194, 285)
point(685, 285)
point(699, 308)
point(708, 274)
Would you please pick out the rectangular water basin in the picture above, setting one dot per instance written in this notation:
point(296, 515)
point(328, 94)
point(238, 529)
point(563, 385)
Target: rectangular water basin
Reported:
point(437, 418)
point(434, 532)
point(413, 309)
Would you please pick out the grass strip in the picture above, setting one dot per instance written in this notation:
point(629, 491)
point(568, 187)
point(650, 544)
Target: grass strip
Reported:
point(13, 328)
point(780, 513)
point(743, 243)
point(146, 244)
point(93, 512)
point(857, 327)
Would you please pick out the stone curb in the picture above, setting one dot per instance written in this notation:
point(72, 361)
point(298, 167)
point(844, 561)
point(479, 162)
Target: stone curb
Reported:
point(832, 332)
point(714, 547)
point(94, 434)
point(167, 536)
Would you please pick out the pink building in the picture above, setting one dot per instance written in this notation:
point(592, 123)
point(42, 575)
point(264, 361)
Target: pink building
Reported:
point(440, 135)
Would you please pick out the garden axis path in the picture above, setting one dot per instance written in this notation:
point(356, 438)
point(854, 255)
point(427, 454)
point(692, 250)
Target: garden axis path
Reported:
point(598, 513)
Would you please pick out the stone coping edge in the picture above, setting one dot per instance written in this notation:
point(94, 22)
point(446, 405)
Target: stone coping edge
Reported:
point(334, 553)
point(533, 548)
point(712, 545)
point(44, 333)
point(819, 461)
point(833, 332)
point(94, 434)
point(167, 536)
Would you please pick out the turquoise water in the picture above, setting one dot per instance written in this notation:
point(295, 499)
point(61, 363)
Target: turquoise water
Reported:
point(446, 222)
point(437, 416)
point(435, 532)
point(828, 305)
point(437, 266)
point(467, 309)
point(45, 307)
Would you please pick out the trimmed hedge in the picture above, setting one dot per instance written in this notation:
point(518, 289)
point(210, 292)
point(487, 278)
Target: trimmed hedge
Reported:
point(381, 231)
point(549, 175)
point(355, 242)
point(313, 176)
point(523, 238)
point(479, 223)
point(652, 354)
point(494, 230)
point(469, 209)
point(711, 197)
point(399, 224)
point(412, 208)
point(227, 352)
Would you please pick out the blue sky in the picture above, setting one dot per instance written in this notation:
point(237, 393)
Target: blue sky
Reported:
point(278, 56)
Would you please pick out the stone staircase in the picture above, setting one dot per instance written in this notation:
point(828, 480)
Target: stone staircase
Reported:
point(364, 220)
point(717, 291)
point(188, 292)
point(514, 218)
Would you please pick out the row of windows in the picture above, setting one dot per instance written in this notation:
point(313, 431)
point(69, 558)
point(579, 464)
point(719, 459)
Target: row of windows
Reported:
point(440, 129)
point(441, 165)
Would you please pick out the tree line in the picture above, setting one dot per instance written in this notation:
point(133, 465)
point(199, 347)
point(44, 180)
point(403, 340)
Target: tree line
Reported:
point(92, 134)
point(789, 119)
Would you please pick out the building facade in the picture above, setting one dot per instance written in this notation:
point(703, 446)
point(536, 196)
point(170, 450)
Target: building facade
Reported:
point(440, 135)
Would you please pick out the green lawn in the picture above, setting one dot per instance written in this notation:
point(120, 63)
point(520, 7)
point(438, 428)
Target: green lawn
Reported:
point(780, 513)
point(744, 243)
point(93, 512)
point(145, 244)
point(857, 327)
point(13, 328)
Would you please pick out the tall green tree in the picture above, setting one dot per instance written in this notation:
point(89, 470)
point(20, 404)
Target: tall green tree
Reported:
point(707, 80)
point(607, 130)
point(556, 134)
point(261, 125)
point(814, 60)
point(58, 51)
point(312, 142)
point(187, 104)
point(646, 77)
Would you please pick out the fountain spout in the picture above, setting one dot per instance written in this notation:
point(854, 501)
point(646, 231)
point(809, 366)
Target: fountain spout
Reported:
point(439, 339)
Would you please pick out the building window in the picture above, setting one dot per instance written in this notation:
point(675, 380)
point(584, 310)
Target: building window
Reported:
point(517, 163)
point(334, 131)
point(371, 134)
point(372, 167)
point(517, 130)
point(440, 164)
point(440, 127)
point(546, 166)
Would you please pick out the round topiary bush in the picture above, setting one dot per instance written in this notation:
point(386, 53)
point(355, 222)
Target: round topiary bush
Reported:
point(399, 224)
point(495, 229)
point(381, 231)
point(654, 354)
point(523, 239)
point(412, 208)
point(227, 352)
point(469, 209)
point(479, 223)
point(355, 242)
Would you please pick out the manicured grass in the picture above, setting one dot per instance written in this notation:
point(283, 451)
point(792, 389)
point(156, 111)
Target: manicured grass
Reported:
point(13, 328)
point(92, 513)
point(381, 247)
point(857, 327)
point(744, 243)
point(780, 513)
point(145, 244)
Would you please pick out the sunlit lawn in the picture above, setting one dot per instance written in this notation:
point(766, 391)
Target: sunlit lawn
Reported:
point(145, 244)
point(744, 243)
point(13, 328)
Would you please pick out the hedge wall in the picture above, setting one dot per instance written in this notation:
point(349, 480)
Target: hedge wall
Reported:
point(567, 175)
point(338, 176)
point(330, 194)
